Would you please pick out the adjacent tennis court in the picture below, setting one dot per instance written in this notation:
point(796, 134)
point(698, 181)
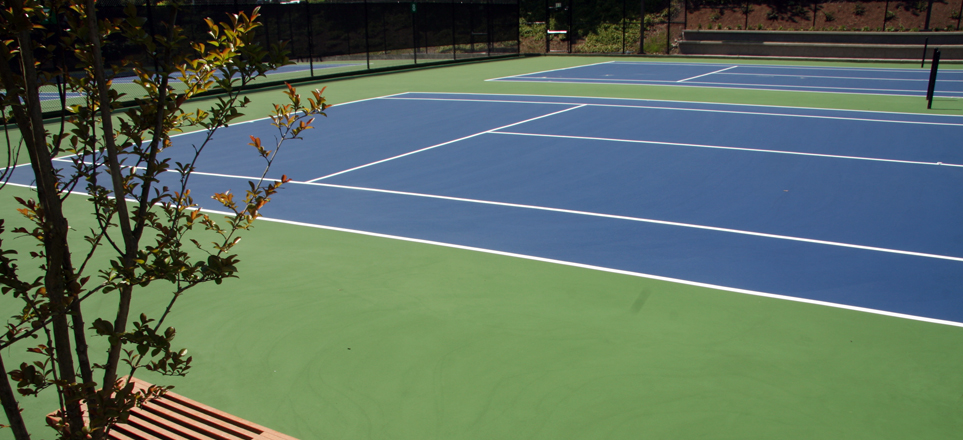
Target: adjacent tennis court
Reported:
point(879, 81)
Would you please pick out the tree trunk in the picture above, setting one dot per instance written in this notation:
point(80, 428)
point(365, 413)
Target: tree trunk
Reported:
point(55, 240)
point(11, 407)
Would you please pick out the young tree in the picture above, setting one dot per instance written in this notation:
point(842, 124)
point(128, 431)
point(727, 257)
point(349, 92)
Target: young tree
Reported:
point(141, 202)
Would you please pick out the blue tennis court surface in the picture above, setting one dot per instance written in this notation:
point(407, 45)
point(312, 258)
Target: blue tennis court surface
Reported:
point(879, 81)
point(854, 209)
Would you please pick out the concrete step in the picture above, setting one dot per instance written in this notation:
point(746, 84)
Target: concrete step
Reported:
point(948, 38)
point(818, 50)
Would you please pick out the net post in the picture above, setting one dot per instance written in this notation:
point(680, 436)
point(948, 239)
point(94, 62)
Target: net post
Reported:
point(932, 84)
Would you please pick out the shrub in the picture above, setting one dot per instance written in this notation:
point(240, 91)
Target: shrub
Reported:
point(829, 16)
point(655, 43)
point(714, 16)
point(608, 39)
point(859, 9)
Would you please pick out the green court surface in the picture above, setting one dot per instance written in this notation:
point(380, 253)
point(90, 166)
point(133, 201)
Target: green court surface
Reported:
point(337, 335)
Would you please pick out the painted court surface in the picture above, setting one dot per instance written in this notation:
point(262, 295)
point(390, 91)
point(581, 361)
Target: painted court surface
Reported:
point(858, 209)
point(511, 260)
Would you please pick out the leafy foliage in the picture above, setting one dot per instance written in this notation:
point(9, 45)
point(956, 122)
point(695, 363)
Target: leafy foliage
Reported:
point(116, 159)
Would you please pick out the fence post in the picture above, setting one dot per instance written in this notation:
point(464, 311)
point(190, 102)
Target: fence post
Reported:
point(150, 21)
point(815, 10)
point(307, 17)
point(745, 11)
point(414, 32)
point(926, 42)
point(454, 39)
point(367, 47)
point(571, 22)
point(929, 10)
point(518, 33)
point(668, 26)
point(267, 32)
point(488, 26)
point(623, 27)
point(642, 29)
point(885, 13)
point(548, 27)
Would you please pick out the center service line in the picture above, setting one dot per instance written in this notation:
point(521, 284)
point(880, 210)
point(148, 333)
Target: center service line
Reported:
point(443, 144)
point(707, 74)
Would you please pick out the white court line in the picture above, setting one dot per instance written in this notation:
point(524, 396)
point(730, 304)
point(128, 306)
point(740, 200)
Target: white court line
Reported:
point(763, 66)
point(595, 80)
point(718, 104)
point(719, 147)
point(602, 215)
point(786, 66)
point(735, 112)
point(614, 271)
point(839, 77)
point(675, 84)
point(823, 87)
point(748, 86)
point(707, 74)
point(551, 70)
point(643, 220)
point(443, 144)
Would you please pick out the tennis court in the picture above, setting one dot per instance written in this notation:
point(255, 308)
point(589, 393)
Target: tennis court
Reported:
point(492, 259)
point(852, 209)
point(879, 81)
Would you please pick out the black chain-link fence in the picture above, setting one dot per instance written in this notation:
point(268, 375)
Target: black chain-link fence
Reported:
point(415, 31)
point(655, 26)
point(600, 26)
point(330, 38)
point(827, 15)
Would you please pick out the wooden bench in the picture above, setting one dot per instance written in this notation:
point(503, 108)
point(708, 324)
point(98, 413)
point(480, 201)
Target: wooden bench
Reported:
point(175, 417)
